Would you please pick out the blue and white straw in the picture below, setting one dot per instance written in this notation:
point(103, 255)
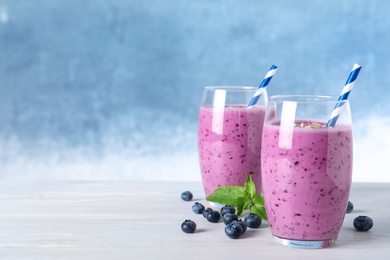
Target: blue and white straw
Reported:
point(344, 95)
point(263, 85)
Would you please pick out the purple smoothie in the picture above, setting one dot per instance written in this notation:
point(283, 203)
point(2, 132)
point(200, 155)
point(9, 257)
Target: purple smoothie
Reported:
point(229, 142)
point(306, 186)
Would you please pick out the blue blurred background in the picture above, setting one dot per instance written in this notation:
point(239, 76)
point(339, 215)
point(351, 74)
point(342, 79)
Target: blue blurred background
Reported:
point(110, 89)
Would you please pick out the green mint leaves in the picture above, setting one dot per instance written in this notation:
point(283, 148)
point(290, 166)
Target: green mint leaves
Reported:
point(241, 198)
point(227, 195)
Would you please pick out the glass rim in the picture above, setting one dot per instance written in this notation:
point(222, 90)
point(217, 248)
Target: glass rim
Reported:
point(305, 98)
point(231, 88)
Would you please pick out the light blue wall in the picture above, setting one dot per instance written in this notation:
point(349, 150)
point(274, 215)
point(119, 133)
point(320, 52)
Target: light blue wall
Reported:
point(109, 89)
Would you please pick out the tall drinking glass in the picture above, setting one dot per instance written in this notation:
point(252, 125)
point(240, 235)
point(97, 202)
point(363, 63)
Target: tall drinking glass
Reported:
point(229, 136)
point(306, 169)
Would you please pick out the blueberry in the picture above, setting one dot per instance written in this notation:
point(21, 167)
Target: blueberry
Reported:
point(206, 211)
point(187, 196)
point(349, 207)
point(227, 209)
point(363, 223)
point(252, 220)
point(229, 217)
point(243, 225)
point(198, 208)
point(213, 216)
point(188, 226)
point(233, 230)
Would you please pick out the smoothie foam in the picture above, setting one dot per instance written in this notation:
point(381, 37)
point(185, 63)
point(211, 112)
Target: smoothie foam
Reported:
point(229, 145)
point(307, 183)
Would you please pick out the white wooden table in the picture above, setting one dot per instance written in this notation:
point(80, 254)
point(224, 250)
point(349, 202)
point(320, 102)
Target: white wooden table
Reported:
point(141, 220)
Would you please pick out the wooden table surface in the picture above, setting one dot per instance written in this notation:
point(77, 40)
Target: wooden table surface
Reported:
point(141, 220)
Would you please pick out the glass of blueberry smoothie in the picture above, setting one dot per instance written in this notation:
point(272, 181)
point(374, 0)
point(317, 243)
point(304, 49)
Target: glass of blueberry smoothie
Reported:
point(229, 136)
point(306, 169)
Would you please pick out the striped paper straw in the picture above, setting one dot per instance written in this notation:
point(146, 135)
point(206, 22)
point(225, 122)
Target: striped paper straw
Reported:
point(344, 94)
point(263, 85)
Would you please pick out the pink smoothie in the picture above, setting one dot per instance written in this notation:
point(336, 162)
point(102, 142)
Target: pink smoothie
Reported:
point(229, 142)
point(306, 186)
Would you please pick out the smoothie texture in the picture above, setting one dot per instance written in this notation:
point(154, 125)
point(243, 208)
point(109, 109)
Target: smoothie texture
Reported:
point(307, 171)
point(229, 141)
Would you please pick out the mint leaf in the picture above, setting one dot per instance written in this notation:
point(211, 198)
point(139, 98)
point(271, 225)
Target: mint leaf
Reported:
point(258, 199)
point(241, 202)
point(241, 198)
point(259, 209)
point(250, 187)
point(226, 195)
point(258, 206)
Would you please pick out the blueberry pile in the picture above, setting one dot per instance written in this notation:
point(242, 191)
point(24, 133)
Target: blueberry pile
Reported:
point(234, 227)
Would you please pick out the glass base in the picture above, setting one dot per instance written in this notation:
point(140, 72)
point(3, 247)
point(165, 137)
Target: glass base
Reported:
point(216, 204)
point(305, 244)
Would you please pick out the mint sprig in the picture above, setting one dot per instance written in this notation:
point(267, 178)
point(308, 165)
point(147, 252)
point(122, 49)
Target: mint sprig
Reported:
point(240, 197)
